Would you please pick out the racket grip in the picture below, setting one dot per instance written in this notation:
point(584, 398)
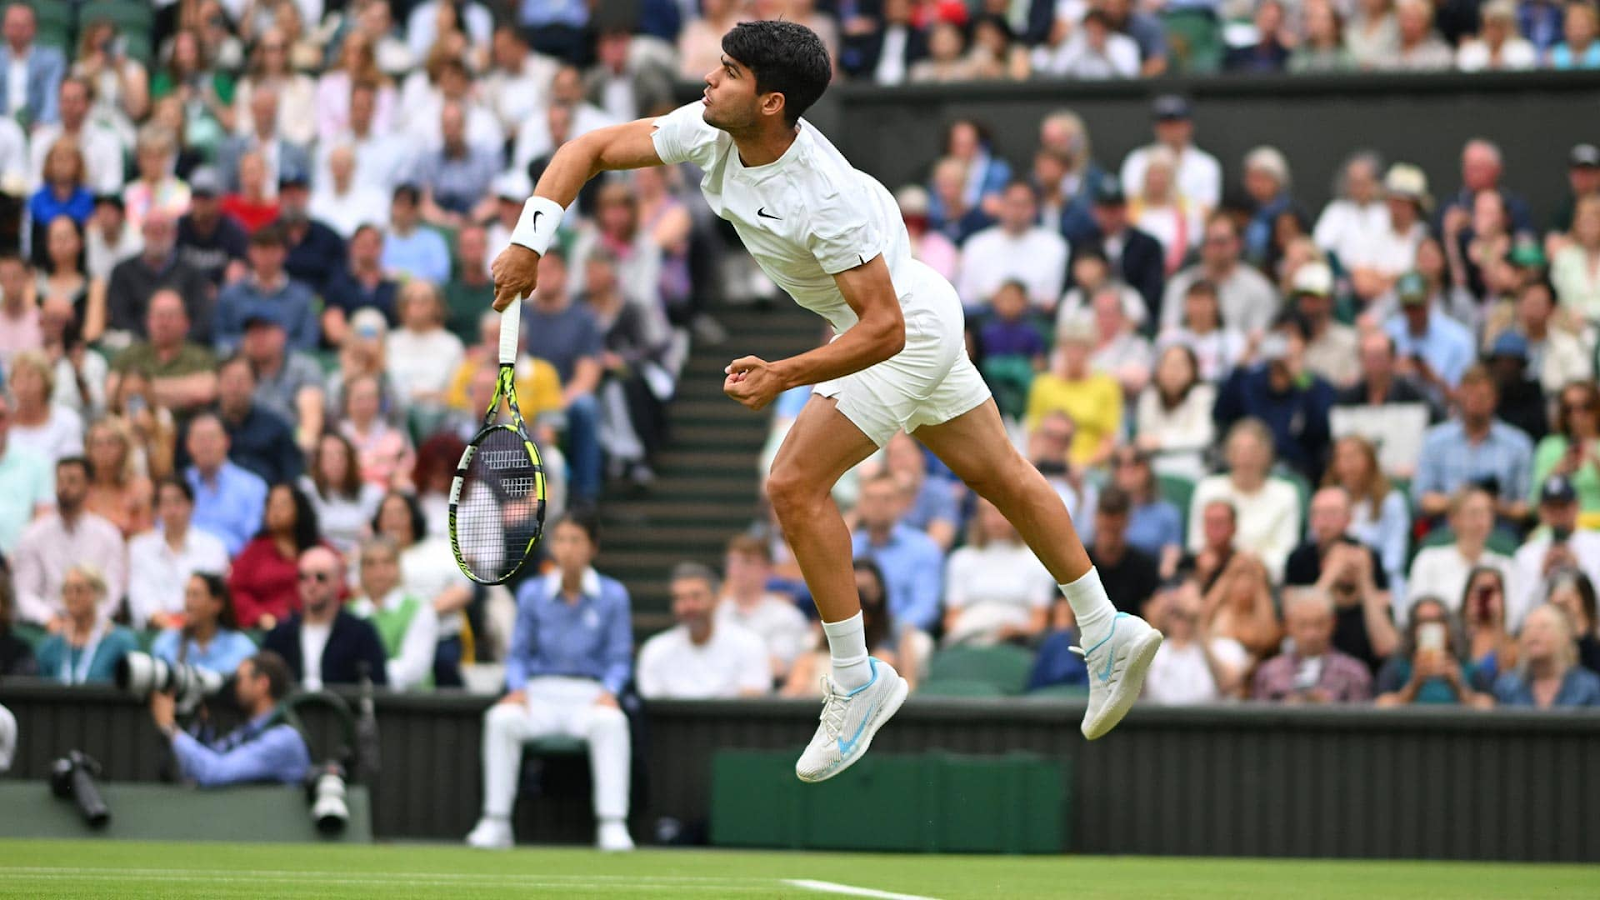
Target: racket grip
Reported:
point(510, 332)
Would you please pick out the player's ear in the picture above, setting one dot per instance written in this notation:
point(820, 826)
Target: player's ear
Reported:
point(772, 104)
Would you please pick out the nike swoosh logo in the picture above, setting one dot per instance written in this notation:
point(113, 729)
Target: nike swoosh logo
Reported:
point(762, 212)
point(1105, 674)
point(536, 214)
point(846, 747)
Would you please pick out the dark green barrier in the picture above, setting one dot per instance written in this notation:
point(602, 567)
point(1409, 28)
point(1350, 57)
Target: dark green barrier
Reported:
point(158, 812)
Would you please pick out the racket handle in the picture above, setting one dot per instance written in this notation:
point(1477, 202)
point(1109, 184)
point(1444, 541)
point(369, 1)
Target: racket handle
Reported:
point(510, 332)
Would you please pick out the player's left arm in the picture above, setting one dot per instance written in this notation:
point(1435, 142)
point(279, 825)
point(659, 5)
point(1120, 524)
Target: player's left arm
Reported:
point(879, 333)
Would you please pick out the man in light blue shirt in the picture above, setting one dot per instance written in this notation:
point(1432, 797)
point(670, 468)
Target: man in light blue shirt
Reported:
point(1474, 448)
point(912, 564)
point(27, 485)
point(1433, 347)
point(229, 501)
point(264, 749)
point(409, 249)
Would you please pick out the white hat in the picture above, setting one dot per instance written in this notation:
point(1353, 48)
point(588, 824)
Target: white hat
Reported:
point(370, 321)
point(1313, 278)
point(1406, 180)
point(512, 184)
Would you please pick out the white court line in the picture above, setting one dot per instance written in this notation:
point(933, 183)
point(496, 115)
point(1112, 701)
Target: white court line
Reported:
point(829, 887)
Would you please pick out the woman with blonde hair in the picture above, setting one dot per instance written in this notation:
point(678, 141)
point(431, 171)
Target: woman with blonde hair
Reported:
point(1158, 208)
point(156, 189)
point(297, 93)
point(1575, 271)
point(86, 646)
point(1549, 676)
point(117, 490)
point(47, 428)
point(1380, 515)
point(1267, 509)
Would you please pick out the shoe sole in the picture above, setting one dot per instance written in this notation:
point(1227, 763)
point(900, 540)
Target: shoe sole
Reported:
point(1139, 660)
point(884, 713)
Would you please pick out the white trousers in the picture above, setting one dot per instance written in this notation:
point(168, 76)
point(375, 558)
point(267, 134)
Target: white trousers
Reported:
point(562, 706)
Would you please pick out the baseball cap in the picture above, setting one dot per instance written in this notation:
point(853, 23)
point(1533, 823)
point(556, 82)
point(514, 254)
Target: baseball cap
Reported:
point(260, 316)
point(1314, 278)
point(1584, 156)
point(205, 182)
point(369, 323)
point(292, 175)
point(1505, 10)
point(512, 185)
point(1107, 191)
point(1558, 489)
point(1170, 107)
point(1411, 289)
point(1406, 180)
point(1509, 343)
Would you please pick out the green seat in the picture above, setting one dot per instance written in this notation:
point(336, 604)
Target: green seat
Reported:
point(558, 745)
point(959, 687)
point(1009, 377)
point(1179, 491)
point(1003, 666)
point(1196, 40)
point(1060, 692)
point(1499, 541)
point(30, 634)
point(146, 638)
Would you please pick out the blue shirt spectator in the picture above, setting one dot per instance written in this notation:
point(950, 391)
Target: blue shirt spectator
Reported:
point(1562, 57)
point(261, 750)
point(1540, 22)
point(45, 205)
point(1444, 344)
point(591, 637)
point(1154, 526)
point(410, 249)
point(1579, 687)
point(94, 662)
point(27, 484)
point(45, 67)
point(561, 335)
point(287, 302)
point(1056, 664)
point(223, 653)
point(229, 503)
point(912, 564)
point(457, 176)
point(1502, 457)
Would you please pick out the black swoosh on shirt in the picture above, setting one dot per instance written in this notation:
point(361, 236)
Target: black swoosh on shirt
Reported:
point(762, 212)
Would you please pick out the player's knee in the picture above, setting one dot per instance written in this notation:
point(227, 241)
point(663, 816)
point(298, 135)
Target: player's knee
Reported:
point(791, 491)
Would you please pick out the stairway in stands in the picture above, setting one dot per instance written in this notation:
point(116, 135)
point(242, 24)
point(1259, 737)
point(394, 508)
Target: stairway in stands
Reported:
point(706, 482)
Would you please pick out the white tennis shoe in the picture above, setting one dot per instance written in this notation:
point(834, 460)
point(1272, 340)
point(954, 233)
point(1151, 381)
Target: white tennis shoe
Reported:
point(1117, 665)
point(491, 834)
point(849, 720)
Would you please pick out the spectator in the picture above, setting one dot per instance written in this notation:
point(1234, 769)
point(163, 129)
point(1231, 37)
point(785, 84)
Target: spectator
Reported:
point(1049, 446)
point(1555, 546)
point(1497, 46)
point(26, 484)
point(362, 355)
point(1573, 591)
point(1246, 299)
point(16, 654)
point(384, 451)
point(1198, 175)
point(701, 658)
point(71, 536)
point(627, 79)
point(566, 334)
point(1193, 665)
point(363, 284)
point(996, 590)
point(63, 191)
point(514, 87)
point(700, 41)
point(1239, 603)
point(229, 500)
point(1394, 246)
point(315, 251)
point(1090, 274)
point(38, 423)
point(803, 680)
point(79, 373)
point(252, 205)
point(1270, 52)
point(262, 580)
point(406, 623)
point(1092, 399)
point(157, 191)
point(1474, 448)
point(205, 633)
point(1351, 573)
point(210, 242)
point(1015, 248)
point(358, 64)
point(747, 603)
point(1380, 517)
point(986, 173)
point(1131, 576)
point(930, 501)
point(1442, 570)
point(1429, 668)
point(271, 74)
point(949, 213)
point(1056, 664)
point(1570, 449)
point(1579, 49)
point(344, 504)
point(636, 257)
point(1331, 347)
point(1420, 48)
point(63, 279)
point(342, 202)
point(161, 561)
point(1093, 50)
point(1548, 675)
point(1173, 421)
point(1481, 169)
point(1215, 347)
point(85, 645)
point(97, 143)
point(40, 69)
point(1490, 646)
point(152, 426)
point(1323, 48)
point(264, 749)
point(1280, 393)
point(1160, 208)
point(1145, 29)
point(1381, 382)
point(259, 439)
point(471, 291)
point(1011, 346)
point(118, 491)
point(322, 643)
point(996, 52)
point(1583, 180)
point(1373, 34)
point(428, 571)
point(1155, 526)
point(267, 291)
point(135, 281)
point(381, 158)
point(288, 382)
point(911, 562)
point(422, 354)
point(569, 661)
point(109, 239)
point(1521, 402)
point(182, 374)
point(1219, 526)
point(1267, 509)
point(409, 249)
point(19, 310)
point(455, 178)
point(1313, 671)
point(1119, 350)
point(1572, 272)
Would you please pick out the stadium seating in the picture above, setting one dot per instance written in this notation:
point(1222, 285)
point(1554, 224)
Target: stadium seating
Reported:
point(1003, 667)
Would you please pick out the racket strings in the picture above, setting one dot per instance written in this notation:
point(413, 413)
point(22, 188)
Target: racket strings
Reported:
point(500, 510)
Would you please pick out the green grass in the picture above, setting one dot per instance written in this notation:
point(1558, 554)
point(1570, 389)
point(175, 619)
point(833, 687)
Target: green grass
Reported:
point(69, 869)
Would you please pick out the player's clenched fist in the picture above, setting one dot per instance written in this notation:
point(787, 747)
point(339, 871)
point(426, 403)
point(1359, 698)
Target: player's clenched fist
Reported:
point(752, 382)
point(515, 273)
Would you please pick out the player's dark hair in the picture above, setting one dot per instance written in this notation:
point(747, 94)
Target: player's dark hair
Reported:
point(786, 58)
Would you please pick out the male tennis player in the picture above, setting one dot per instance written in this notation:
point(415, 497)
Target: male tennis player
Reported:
point(832, 237)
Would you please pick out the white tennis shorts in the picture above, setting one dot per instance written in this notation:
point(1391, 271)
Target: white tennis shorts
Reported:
point(929, 382)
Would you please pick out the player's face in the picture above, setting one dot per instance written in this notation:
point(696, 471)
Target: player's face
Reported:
point(731, 100)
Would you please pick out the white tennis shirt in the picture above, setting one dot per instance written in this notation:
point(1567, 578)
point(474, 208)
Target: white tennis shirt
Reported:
point(804, 218)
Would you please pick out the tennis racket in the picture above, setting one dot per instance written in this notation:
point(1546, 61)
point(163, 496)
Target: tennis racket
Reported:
point(497, 497)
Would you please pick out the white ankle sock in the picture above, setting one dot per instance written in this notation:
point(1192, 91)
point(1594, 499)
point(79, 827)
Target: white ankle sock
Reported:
point(847, 642)
point(1090, 606)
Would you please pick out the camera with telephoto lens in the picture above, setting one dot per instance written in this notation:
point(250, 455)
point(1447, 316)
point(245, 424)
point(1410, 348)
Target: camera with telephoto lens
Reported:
point(72, 778)
point(141, 674)
point(326, 792)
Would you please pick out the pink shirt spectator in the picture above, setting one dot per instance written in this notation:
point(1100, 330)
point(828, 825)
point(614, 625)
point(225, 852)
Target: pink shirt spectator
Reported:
point(19, 333)
point(170, 196)
point(384, 452)
point(333, 106)
point(1342, 678)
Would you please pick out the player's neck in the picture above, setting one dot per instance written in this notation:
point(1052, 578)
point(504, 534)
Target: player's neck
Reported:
point(764, 146)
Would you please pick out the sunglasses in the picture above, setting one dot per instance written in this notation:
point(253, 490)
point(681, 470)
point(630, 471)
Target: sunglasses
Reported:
point(318, 577)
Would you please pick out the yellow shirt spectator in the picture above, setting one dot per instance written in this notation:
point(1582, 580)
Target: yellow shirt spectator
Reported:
point(538, 386)
point(1094, 403)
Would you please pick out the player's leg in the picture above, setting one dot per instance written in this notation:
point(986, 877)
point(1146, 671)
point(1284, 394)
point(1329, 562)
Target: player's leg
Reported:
point(822, 445)
point(1118, 646)
point(506, 727)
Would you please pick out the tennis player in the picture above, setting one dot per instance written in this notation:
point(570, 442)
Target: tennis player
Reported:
point(832, 237)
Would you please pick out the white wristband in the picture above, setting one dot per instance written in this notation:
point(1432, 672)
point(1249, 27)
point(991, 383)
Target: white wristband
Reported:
point(537, 226)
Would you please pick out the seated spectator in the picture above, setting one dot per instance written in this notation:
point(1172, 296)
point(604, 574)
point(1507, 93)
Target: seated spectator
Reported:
point(1313, 671)
point(183, 373)
point(1420, 49)
point(1011, 346)
point(747, 603)
point(1497, 46)
point(322, 643)
point(428, 571)
point(422, 355)
point(1574, 592)
point(1548, 675)
point(1429, 667)
point(1119, 350)
point(363, 284)
point(950, 214)
point(1270, 51)
point(316, 251)
point(1239, 605)
point(996, 51)
point(1372, 34)
point(157, 190)
point(930, 501)
point(229, 499)
point(162, 561)
point(267, 291)
point(1135, 256)
point(1280, 393)
point(406, 623)
point(1556, 545)
point(19, 309)
point(1193, 665)
point(1351, 573)
point(37, 422)
point(566, 334)
point(1161, 208)
point(1572, 449)
point(1521, 402)
point(384, 451)
point(264, 749)
point(471, 291)
point(1216, 347)
point(912, 563)
point(1093, 399)
point(209, 241)
point(1155, 527)
point(1245, 297)
point(1266, 187)
point(1381, 380)
point(996, 590)
point(1572, 269)
point(344, 203)
point(109, 239)
point(1173, 421)
point(118, 492)
point(1267, 509)
point(86, 645)
point(1130, 575)
point(1379, 515)
point(570, 657)
point(946, 61)
point(288, 382)
point(1048, 449)
point(1474, 448)
point(135, 280)
point(1491, 648)
point(1145, 29)
point(263, 578)
point(1556, 354)
point(803, 680)
point(1435, 349)
point(62, 278)
point(253, 204)
point(205, 634)
point(1330, 352)
point(1579, 48)
point(1015, 248)
point(56, 542)
point(409, 249)
point(258, 439)
point(455, 177)
point(344, 504)
point(1092, 50)
point(702, 658)
point(16, 654)
point(26, 486)
point(1442, 570)
point(1056, 664)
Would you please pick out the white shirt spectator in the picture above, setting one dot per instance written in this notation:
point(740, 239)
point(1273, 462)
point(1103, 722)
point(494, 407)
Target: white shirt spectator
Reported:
point(1181, 434)
point(1268, 520)
point(1076, 58)
point(1530, 581)
point(1216, 351)
point(514, 98)
point(57, 436)
point(1199, 174)
point(313, 640)
point(427, 568)
point(422, 26)
point(533, 138)
point(414, 663)
point(992, 587)
point(1074, 300)
point(48, 549)
point(731, 663)
point(1382, 250)
point(14, 161)
point(343, 521)
point(1344, 226)
point(1516, 54)
point(363, 204)
point(422, 361)
point(1442, 572)
point(1181, 677)
point(382, 161)
point(1037, 258)
point(101, 149)
point(101, 257)
point(1246, 299)
point(157, 574)
point(66, 391)
point(774, 619)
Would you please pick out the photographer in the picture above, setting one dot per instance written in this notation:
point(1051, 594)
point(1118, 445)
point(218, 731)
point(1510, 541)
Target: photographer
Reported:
point(1429, 668)
point(264, 749)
